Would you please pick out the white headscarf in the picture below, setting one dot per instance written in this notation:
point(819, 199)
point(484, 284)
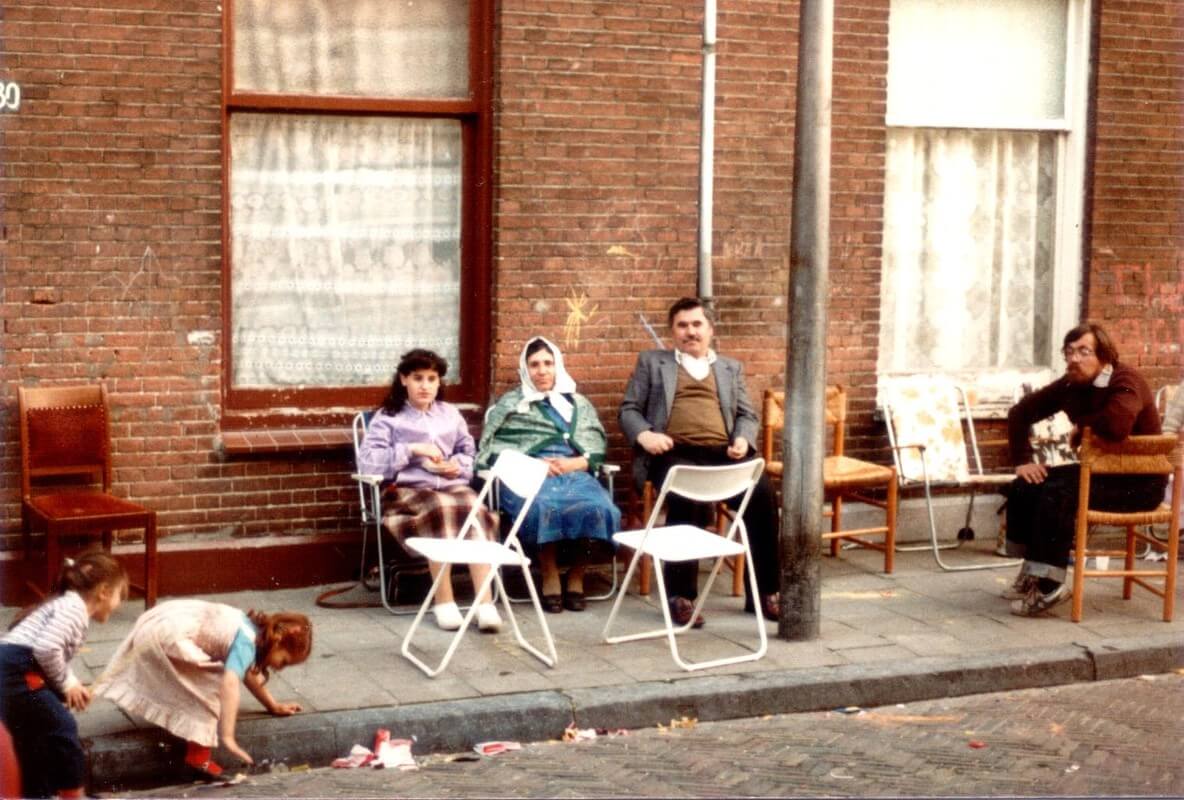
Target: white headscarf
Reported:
point(563, 382)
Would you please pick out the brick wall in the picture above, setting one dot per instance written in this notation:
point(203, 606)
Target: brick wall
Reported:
point(112, 259)
point(111, 188)
point(1136, 280)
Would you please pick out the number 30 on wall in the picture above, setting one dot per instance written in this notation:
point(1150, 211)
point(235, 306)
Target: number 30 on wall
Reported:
point(10, 96)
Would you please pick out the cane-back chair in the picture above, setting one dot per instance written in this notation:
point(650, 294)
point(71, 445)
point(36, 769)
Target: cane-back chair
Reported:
point(843, 477)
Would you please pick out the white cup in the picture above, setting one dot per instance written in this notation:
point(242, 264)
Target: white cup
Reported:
point(1103, 562)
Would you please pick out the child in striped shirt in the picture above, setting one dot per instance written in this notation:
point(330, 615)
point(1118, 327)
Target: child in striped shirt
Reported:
point(36, 682)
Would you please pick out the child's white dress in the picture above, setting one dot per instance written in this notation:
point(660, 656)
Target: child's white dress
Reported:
point(169, 668)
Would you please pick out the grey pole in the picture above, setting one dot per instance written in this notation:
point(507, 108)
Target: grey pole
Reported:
point(805, 373)
point(707, 156)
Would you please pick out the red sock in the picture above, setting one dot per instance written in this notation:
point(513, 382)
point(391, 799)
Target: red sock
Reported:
point(71, 793)
point(198, 756)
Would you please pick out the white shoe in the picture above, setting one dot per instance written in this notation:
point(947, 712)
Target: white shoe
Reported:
point(448, 616)
point(488, 619)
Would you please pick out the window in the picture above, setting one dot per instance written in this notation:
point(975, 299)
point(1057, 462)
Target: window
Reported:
point(983, 186)
point(357, 200)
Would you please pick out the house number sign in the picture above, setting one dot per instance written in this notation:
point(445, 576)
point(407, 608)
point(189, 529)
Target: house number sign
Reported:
point(10, 96)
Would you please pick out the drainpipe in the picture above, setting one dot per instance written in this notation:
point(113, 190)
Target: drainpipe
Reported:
point(707, 155)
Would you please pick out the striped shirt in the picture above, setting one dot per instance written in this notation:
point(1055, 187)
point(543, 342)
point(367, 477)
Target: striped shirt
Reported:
point(54, 632)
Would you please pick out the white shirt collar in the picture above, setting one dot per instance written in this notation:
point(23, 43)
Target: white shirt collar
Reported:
point(1103, 378)
point(696, 367)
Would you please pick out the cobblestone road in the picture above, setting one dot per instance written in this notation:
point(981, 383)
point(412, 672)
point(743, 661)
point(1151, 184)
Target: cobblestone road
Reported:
point(1111, 738)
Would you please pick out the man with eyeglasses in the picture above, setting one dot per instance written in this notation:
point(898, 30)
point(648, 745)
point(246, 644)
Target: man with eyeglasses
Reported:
point(1115, 402)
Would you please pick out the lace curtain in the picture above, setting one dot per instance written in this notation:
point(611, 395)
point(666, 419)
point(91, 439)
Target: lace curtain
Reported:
point(969, 221)
point(345, 246)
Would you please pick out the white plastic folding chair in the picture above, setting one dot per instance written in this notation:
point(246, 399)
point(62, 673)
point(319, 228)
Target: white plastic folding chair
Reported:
point(925, 416)
point(691, 543)
point(522, 475)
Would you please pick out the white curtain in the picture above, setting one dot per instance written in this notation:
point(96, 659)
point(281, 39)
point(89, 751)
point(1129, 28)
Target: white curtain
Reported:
point(969, 220)
point(345, 246)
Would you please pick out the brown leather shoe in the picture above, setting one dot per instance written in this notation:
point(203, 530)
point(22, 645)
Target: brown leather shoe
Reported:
point(771, 606)
point(680, 612)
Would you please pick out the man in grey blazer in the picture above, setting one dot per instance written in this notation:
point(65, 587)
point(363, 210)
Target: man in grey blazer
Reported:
point(690, 406)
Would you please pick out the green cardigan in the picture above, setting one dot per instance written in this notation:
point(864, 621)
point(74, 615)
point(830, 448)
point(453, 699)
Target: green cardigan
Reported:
point(506, 429)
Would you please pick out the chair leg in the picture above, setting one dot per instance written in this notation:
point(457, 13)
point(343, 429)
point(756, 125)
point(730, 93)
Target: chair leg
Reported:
point(150, 565)
point(551, 657)
point(836, 525)
point(1080, 537)
point(890, 536)
point(1172, 566)
point(937, 548)
point(53, 556)
point(1128, 583)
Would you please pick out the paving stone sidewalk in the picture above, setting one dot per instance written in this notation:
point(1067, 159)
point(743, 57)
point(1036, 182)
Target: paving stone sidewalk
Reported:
point(917, 634)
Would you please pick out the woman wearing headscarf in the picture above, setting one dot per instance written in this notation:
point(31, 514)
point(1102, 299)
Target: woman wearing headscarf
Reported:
point(545, 417)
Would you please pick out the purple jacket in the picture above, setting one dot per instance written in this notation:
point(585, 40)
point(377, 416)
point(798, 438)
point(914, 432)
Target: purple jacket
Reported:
point(385, 450)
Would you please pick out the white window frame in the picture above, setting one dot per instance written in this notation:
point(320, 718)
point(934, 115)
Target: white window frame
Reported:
point(1070, 202)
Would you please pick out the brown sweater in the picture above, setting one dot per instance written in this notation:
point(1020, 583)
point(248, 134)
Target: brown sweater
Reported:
point(1126, 407)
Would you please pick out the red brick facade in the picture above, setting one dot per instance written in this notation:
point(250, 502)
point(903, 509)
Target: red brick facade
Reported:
point(112, 215)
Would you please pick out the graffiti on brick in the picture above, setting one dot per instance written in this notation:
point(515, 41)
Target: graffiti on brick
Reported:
point(578, 313)
point(10, 96)
point(136, 287)
point(1159, 325)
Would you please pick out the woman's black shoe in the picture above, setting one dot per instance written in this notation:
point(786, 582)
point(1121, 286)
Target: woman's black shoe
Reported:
point(574, 601)
point(553, 603)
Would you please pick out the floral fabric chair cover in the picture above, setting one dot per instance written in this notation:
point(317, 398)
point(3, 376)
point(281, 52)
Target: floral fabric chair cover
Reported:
point(927, 410)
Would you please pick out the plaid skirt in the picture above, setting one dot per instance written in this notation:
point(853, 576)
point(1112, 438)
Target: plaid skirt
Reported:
point(434, 512)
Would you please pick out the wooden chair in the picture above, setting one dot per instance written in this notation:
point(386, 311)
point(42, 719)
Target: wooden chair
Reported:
point(66, 477)
point(844, 478)
point(1136, 455)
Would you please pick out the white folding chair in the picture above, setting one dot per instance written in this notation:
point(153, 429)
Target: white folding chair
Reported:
point(522, 475)
point(691, 543)
point(925, 415)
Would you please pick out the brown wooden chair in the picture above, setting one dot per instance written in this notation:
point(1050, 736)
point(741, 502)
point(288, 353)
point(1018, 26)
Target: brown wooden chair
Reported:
point(1136, 455)
point(844, 478)
point(66, 477)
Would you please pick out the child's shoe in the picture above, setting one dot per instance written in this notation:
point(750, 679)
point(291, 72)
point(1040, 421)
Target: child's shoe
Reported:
point(201, 766)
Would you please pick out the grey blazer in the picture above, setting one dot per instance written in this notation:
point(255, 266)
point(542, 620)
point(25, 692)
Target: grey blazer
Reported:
point(650, 396)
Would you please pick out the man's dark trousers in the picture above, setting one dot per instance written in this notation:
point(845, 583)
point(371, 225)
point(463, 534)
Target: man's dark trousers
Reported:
point(760, 519)
point(1042, 517)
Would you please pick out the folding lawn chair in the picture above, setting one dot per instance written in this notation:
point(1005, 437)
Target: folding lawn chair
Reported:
point(691, 543)
point(925, 415)
point(523, 475)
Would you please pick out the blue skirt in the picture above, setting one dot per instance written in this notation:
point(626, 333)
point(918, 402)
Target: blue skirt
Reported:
point(568, 508)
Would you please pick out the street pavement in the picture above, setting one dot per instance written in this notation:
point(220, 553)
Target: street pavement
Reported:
point(917, 634)
point(1109, 738)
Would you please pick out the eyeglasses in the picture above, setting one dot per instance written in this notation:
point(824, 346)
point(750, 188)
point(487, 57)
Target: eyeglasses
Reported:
point(1077, 352)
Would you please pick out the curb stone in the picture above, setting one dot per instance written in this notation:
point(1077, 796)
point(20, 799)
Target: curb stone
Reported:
point(136, 757)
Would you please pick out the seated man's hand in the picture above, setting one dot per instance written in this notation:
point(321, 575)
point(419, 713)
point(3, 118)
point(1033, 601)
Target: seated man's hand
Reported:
point(655, 443)
point(1032, 473)
point(738, 449)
